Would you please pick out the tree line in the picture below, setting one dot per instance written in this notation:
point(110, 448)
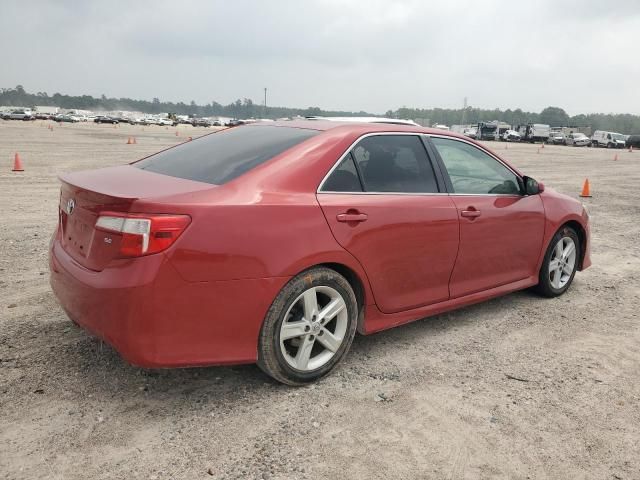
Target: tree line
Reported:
point(554, 116)
point(246, 108)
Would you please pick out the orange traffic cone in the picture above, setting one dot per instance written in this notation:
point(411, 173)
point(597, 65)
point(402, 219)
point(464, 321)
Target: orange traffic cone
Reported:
point(586, 190)
point(129, 141)
point(17, 164)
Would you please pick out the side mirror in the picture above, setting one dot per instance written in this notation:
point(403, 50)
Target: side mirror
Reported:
point(532, 187)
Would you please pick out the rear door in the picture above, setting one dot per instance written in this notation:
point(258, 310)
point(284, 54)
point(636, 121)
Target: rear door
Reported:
point(385, 204)
point(501, 230)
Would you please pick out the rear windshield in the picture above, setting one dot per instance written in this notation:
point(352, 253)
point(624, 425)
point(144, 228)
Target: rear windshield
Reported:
point(220, 157)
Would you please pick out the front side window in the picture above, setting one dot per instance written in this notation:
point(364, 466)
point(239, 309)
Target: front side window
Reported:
point(472, 171)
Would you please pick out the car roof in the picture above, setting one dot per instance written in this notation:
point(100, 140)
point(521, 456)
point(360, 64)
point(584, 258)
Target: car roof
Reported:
point(356, 127)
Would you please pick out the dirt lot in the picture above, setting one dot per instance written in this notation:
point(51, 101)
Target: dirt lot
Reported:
point(429, 400)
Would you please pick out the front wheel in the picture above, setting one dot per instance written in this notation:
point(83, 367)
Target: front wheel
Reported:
point(560, 263)
point(308, 328)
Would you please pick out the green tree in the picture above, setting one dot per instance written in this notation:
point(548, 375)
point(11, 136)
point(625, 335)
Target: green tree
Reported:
point(554, 116)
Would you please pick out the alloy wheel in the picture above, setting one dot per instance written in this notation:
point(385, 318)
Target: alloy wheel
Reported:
point(562, 262)
point(313, 328)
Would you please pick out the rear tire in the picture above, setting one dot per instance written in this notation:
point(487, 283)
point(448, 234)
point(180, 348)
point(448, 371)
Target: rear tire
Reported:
point(309, 327)
point(560, 263)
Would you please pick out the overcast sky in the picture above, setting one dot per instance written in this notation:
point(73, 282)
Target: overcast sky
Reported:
point(372, 55)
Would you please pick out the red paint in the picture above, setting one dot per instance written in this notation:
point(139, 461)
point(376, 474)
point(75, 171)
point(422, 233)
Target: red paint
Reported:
point(407, 245)
point(202, 300)
point(500, 245)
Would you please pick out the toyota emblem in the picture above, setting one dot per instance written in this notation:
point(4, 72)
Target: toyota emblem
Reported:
point(71, 204)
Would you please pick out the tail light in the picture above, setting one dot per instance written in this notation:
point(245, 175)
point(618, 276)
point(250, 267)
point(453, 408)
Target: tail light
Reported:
point(144, 234)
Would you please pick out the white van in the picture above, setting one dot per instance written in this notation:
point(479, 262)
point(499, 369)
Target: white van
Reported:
point(600, 138)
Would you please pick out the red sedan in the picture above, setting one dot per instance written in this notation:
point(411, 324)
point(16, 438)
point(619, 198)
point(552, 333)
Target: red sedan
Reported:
point(274, 243)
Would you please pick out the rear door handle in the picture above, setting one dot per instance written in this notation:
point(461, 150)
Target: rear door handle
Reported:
point(352, 217)
point(472, 213)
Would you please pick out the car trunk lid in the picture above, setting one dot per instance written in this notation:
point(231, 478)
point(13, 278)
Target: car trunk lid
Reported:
point(85, 195)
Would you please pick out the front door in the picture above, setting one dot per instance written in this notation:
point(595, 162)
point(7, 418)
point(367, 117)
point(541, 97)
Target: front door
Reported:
point(501, 230)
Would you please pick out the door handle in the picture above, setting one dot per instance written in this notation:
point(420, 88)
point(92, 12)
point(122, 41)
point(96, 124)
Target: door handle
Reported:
point(352, 217)
point(470, 213)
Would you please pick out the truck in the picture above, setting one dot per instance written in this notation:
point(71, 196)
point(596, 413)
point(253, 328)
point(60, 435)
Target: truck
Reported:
point(487, 130)
point(600, 138)
point(534, 132)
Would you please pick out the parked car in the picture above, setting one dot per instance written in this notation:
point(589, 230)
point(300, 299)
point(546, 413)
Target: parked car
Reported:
point(633, 141)
point(273, 243)
point(167, 122)
point(66, 118)
point(600, 138)
point(511, 136)
point(578, 140)
point(470, 132)
point(43, 116)
point(21, 115)
point(200, 122)
point(105, 119)
point(557, 138)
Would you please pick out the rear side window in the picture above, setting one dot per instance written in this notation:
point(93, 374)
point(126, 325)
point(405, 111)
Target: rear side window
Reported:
point(395, 164)
point(344, 178)
point(220, 157)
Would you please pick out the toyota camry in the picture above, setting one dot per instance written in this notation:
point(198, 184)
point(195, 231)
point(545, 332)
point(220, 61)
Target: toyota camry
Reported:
point(274, 243)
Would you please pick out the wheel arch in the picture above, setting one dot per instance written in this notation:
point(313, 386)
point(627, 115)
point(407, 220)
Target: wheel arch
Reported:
point(356, 281)
point(582, 236)
point(358, 288)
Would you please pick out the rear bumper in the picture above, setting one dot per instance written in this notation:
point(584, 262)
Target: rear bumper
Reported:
point(154, 318)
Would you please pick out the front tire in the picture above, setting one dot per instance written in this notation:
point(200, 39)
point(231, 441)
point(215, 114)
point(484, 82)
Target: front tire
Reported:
point(560, 263)
point(308, 328)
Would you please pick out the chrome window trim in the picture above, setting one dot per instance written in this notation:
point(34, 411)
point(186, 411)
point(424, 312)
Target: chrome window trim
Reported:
point(382, 193)
point(424, 194)
point(362, 137)
point(418, 134)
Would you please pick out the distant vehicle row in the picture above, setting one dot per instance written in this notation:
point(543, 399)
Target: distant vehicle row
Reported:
point(535, 132)
point(72, 117)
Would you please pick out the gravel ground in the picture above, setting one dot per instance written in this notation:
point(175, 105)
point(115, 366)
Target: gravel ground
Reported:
point(518, 387)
